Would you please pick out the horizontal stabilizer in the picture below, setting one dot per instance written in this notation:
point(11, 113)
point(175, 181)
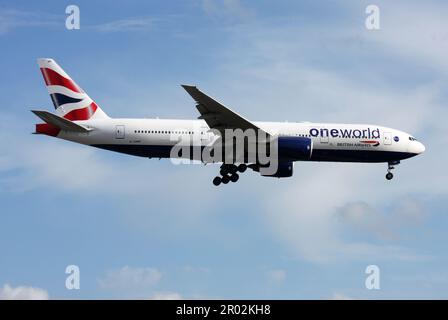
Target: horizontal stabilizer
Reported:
point(59, 122)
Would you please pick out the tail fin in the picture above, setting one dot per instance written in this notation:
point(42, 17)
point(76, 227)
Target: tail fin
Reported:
point(69, 100)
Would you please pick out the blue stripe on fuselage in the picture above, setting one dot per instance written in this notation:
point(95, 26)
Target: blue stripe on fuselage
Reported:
point(155, 151)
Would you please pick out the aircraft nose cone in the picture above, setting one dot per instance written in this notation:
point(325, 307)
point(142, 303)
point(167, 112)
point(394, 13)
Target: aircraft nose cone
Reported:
point(418, 147)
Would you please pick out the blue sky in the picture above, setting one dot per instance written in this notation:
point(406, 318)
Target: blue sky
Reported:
point(141, 228)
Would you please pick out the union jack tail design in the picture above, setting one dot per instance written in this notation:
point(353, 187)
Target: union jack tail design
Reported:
point(69, 100)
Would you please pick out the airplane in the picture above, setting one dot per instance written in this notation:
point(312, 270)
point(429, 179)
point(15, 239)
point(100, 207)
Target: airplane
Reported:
point(79, 119)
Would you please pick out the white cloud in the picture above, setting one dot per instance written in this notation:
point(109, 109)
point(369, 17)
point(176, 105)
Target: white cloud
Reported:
point(340, 296)
point(402, 213)
point(196, 269)
point(11, 19)
point(274, 74)
point(166, 296)
point(64, 165)
point(132, 279)
point(141, 283)
point(300, 219)
point(277, 276)
point(365, 219)
point(410, 211)
point(22, 293)
point(128, 24)
point(415, 31)
point(301, 213)
point(226, 9)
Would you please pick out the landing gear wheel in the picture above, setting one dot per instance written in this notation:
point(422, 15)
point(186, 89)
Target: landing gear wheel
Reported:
point(242, 167)
point(391, 166)
point(225, 179)
point(217, 181)
point(229, 172)
point(234, 177)
point(228, 169)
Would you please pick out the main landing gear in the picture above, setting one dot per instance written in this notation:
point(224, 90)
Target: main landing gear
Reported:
point(229, 173)
point(390, 166)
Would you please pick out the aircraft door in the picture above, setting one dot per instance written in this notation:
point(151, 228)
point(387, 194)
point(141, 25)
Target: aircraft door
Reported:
point(119, 132)
point(205, 135)
point(387, 138)
point(324, 135)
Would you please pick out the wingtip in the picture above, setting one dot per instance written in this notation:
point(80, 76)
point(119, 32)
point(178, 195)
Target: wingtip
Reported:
point(188, 86)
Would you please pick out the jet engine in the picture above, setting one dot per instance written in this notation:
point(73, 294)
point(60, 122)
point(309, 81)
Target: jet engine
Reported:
point(294, 148)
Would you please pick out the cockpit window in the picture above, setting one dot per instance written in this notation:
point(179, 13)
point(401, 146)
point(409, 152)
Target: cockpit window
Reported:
point(412, 139)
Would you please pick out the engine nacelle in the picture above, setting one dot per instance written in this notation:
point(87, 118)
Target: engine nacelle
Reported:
point(284, 170)
point(294, 148)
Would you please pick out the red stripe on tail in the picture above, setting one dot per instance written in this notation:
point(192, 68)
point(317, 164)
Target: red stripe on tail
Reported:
point(52, 78)
point(82, 114)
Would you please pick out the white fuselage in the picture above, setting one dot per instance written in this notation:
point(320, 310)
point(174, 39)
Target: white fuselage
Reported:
point(331, 141)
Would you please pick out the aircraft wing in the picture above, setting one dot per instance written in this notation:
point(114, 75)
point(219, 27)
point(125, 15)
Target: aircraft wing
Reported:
point(59, 122)
point(216, 115)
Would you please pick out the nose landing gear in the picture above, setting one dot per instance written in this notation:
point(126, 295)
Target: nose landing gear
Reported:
point(390, 166)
